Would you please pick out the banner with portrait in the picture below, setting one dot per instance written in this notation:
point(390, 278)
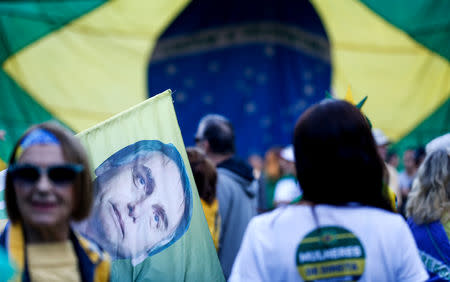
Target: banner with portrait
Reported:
point(147, 214)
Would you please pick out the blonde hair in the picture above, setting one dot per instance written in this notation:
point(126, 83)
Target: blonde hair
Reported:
point(429, 199)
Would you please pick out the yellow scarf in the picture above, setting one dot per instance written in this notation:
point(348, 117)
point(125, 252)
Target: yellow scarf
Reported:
point(213, 219)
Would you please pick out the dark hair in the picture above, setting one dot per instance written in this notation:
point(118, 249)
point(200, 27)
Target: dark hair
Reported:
point(419, 155)
point(205, 174)
point(391, 154)
point(73, 152)
point(336, 157)
point(219, 133)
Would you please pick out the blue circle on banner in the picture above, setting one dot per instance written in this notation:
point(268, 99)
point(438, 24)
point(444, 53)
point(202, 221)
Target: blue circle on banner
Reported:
point(143, 201)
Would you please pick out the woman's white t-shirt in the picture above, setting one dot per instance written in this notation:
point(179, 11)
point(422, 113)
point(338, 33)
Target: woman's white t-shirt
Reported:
point(353, 243)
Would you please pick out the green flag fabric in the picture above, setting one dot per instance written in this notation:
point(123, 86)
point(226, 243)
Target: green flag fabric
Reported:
point(73, 61)
point(147, 213)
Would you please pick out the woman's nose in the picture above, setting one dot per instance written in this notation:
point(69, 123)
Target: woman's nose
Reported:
point(43, 183)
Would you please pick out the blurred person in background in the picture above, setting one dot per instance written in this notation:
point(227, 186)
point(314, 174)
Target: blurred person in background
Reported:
point(272, 173)
point(419, 156)
point(392, 159)
point(49, 184)
point(287, 188)
point(438, 143)
point(344, 228)
point(205, 176)
point(382, 143)
point(257, 163)
point(2, 138)
point(428, 212)
point(406, 176)
point(237, 189)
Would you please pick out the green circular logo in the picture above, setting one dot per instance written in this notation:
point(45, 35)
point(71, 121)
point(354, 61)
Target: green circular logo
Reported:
point(330, 252)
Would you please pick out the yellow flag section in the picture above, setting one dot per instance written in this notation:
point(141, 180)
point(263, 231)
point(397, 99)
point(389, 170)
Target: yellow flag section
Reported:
point(94, 60)
point(404, 81)
point(147, 213)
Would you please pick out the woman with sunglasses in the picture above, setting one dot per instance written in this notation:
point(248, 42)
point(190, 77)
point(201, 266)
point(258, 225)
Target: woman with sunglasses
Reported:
point(48, 184)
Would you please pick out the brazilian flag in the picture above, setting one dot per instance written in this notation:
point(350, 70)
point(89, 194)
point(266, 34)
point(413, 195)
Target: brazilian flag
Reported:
point(81, 62)
point(397, 53)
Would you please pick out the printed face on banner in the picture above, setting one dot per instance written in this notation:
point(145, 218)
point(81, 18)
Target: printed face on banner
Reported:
point(143, 200)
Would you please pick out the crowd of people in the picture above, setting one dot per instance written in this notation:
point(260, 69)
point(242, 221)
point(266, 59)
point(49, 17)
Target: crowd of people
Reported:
point(329, 207)
point(332, 206)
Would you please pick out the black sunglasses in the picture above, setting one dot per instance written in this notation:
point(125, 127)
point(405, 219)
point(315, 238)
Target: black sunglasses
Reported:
point(58, 174)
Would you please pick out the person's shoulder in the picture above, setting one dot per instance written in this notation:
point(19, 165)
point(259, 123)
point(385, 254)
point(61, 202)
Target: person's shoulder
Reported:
point(262, 224)
point(372, 214)
point(4, 226)
point(285, 185)
point(224, 173)
point(392, 171)
point(286, 181)
point(382, 217)
point(98, 257)
point(95, 253)
point(226, 177)
point(282, 215)
point(267, 216)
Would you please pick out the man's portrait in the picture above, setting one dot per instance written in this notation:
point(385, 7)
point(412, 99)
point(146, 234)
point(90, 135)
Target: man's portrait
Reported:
point(143, 201)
